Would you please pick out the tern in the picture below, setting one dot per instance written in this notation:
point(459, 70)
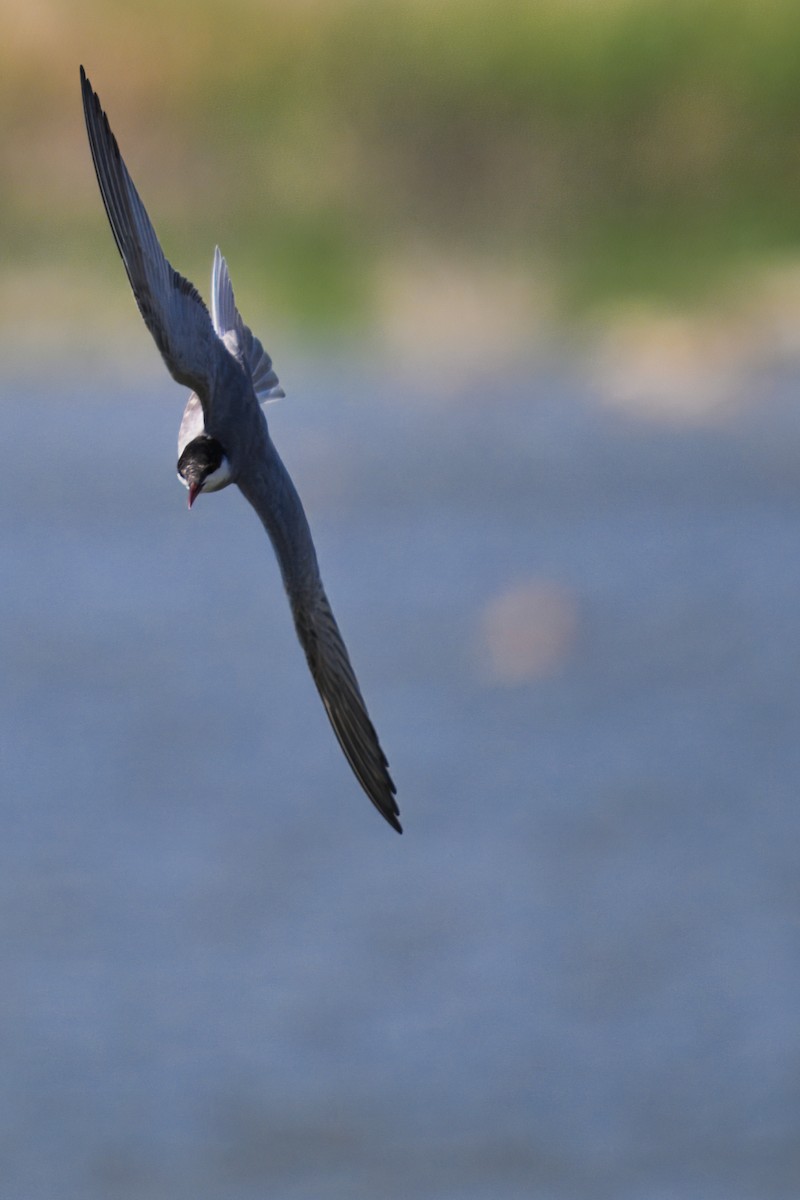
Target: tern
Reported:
point(224, 439)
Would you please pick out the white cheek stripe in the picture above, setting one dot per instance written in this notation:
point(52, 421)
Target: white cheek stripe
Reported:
point(217, 479)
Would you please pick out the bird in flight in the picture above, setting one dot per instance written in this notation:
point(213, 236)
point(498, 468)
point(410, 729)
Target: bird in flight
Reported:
point(224, 439)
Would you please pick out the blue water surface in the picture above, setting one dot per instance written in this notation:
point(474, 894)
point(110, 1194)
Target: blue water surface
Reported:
point(575, 976)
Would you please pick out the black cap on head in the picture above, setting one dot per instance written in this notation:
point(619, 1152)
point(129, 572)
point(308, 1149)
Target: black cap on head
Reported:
point(201, 458)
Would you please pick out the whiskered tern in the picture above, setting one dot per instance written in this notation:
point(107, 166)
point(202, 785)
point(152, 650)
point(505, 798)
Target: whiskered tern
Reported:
point(224, 439)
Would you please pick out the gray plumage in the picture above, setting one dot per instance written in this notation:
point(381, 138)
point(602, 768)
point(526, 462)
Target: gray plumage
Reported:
point(231, 376)
point(226, 319)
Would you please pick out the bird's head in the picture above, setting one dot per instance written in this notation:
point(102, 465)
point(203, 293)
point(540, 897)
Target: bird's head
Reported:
point(203, 466)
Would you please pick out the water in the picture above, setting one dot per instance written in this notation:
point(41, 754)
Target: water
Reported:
point(576, 975)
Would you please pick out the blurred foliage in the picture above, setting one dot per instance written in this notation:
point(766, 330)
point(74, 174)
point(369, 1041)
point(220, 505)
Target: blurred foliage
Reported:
point(617, 148)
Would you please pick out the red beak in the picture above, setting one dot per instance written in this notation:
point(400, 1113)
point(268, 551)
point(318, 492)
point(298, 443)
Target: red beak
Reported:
point(194, 492)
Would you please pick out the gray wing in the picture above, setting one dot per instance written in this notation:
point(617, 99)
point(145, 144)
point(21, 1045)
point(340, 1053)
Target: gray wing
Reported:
point(227, 318)
point(337, 685)
point(171, 306)
point(268, 487)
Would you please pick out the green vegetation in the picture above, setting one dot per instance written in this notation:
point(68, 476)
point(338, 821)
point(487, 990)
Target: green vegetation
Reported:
point(619, 148)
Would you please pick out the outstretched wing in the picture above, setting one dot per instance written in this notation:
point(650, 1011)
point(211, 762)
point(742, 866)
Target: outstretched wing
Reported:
point(266, 484)
point(337, 685)
point(226, 317)
point(171, 306)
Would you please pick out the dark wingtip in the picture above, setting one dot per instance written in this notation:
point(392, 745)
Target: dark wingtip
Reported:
point(388, 810)
point(395, 824)
point(391, 812)
point(90, 97)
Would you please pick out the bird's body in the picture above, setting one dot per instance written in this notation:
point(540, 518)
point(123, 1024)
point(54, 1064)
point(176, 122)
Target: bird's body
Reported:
point(224, 438)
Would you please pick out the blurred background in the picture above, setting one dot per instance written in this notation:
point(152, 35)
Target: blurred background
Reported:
point(530, 274)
